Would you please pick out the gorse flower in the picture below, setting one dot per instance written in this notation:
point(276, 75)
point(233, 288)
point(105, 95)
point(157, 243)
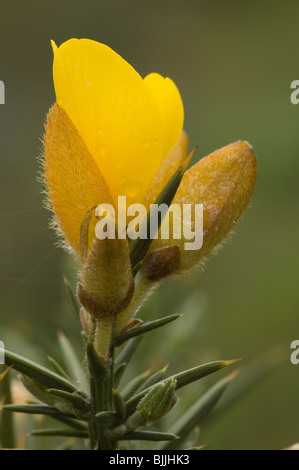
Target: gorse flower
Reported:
point(112, 133)
point(109, 134)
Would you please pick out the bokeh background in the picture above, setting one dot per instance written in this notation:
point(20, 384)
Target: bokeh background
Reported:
point(233, 63)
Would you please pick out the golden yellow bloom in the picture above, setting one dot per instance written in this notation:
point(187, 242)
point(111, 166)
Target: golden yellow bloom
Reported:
point(116, 131)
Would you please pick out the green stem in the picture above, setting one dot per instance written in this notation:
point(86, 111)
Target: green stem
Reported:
point(101, 398)
point(103, 336)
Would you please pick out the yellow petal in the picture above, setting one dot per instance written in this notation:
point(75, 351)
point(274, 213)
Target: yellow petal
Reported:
point(223, 182)
point(54, 46)
point(74, 181)
point(115, 113)
point(171, 108)
point(168, 167)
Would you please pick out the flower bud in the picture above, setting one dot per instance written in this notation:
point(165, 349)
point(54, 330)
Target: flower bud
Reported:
point(154, 405)
point(167, 401)
point(107, 285)
point(223, 183)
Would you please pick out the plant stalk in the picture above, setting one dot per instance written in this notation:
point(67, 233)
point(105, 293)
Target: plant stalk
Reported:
point(101, 398)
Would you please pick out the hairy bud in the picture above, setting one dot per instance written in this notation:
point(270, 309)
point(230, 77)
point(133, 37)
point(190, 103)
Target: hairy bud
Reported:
point(107, 285)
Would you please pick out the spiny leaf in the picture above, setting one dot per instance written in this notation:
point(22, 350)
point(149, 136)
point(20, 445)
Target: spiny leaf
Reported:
point(134, 385)
point(37, 390)
point(37, 409)
point(37, 372)
point(59, 432)
point(71, 360)
point(137, 267)
point(71, 297)
point(124, 358)
point(97, 368)
point(118, 373)
point(139, 247)
point(119, 405)
point(53, 412)
point(127, 352)
point(183, 378)
point(144, 328)
point(76, 400)
point(194, 416)
point(4, 373)
point(153, 379)
point(74, 423)
point(191, 375)
point(58, 368)
point(147, 436)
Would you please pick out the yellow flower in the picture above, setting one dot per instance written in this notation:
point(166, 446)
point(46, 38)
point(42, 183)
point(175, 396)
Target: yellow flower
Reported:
point(112, 133)
point(108, 134)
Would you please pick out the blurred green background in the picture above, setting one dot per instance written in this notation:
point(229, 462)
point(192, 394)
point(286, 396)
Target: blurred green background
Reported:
point(233, 63)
